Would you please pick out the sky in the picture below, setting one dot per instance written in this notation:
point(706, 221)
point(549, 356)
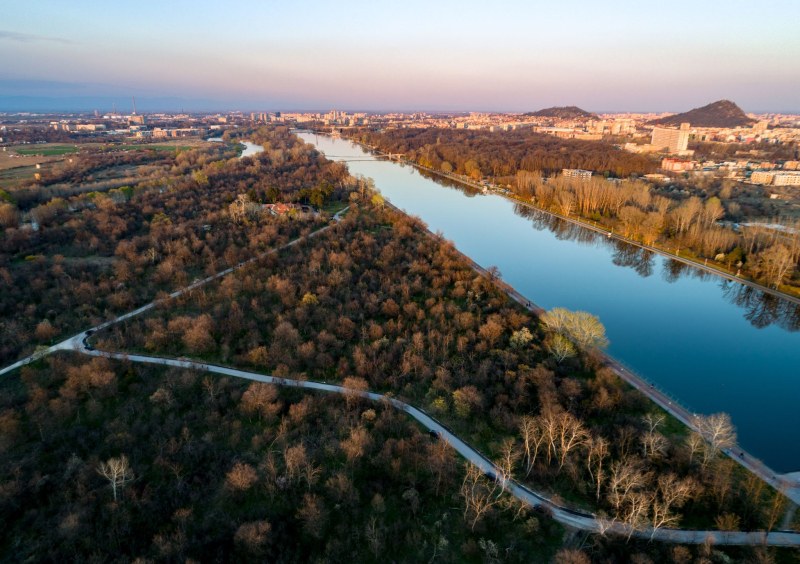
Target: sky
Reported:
point(612, 55)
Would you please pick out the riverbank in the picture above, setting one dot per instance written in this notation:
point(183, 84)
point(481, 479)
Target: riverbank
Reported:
point(788, 484)
point(703, 266)
point(699, 337)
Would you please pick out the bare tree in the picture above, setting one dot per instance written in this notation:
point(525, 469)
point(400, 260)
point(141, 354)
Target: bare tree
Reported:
point(479, 494)
point(626, 477)
point(571, 434)
point(597, 453)
point(695, 444)
point(508, 460)
point(774, 263)
point(671, 493)
point(118, 473)
point(636, 509)
point(533, 437)
point(717, 430)
point(653, 442)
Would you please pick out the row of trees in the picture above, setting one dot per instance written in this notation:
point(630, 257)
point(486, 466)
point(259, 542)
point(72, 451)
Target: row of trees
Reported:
point(631, 207)
point(528, 163)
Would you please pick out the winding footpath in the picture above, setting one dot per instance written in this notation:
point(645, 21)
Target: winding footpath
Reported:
point(68, 344)
point(575, 519)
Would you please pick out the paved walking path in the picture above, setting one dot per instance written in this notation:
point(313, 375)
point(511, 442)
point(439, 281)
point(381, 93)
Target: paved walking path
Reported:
point(572, 518)
point(576, 519)
point(68, 344)
point(788, 484)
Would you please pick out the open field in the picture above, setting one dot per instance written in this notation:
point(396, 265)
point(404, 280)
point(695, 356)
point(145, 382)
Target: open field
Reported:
point(46, 150)
point(10, 159)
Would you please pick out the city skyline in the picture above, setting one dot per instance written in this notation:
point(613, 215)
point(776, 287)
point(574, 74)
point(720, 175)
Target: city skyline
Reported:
point(448, 57)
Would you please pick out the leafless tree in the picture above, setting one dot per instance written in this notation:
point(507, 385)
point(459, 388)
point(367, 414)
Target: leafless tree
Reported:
point(695, 444)
point(571, 434)
point(597, 453)
point(479, 493)
point(118, 473)
point(653, 442)
point(533, 437)
point(626, 478)
point(717, 430)
point(671, 493)
point(509, 455)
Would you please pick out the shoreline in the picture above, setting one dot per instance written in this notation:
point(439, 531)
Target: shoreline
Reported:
point(787, 483)
point(598, 229)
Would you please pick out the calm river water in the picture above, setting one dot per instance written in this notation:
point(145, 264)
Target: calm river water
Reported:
point(712, 344)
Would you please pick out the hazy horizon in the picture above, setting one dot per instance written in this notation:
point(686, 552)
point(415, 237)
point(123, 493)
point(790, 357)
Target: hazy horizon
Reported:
point(454, 56)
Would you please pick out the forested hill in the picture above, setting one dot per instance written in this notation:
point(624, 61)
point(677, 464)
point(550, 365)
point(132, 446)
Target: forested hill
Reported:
point(502, 154)
point(564, 112)
point(722, 113)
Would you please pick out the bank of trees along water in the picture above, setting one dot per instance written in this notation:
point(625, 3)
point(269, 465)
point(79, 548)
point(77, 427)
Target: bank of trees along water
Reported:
point(211, 468)
point(99, 254)
point(685, 221)
point(379, 304)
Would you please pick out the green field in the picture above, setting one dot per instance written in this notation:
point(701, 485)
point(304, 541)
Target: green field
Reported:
point(48, 150)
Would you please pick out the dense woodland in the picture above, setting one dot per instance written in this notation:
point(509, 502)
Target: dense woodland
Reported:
point(220, 470)
point(96, 255)
point(379, 304)
point(499, 155)
point(676, 220)
point(106, 461)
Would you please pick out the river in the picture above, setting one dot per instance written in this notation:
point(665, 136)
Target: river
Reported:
point(249, 150)
point(712, 344)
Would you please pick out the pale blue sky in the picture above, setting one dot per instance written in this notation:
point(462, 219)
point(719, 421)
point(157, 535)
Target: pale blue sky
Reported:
point(500, 55)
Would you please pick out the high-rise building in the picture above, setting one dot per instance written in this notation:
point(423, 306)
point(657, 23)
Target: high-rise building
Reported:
point(672, 140)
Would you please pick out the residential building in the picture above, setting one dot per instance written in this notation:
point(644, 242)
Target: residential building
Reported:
point(672, 140)
point(676, 165)
point(576, 173)
point(762, 177)
point(787, 179)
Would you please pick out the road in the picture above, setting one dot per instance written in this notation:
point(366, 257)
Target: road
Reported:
point(68, 344)
point(788, 484)
point(572, 518)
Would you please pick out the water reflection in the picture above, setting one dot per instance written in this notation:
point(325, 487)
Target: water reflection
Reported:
point(761, 309)
point(712, 343)
point(640, 260)
point(468, 191)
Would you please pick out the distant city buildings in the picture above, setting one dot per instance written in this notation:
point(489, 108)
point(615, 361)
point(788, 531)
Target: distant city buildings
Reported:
point(762, 177)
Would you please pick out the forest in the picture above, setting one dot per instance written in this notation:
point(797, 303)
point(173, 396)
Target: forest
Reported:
point(499, 155)
point(95, 255)
point(104, 460)
point(378, 303)
point(679, 222)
